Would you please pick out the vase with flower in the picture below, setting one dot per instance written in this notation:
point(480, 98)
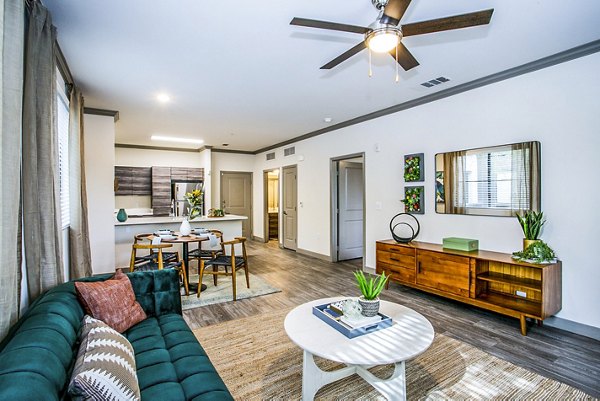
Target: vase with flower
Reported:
point(195, 200)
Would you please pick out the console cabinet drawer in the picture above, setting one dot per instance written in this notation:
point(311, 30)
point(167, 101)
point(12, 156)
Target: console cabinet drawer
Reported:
point(397, 259)
point(397, 249)
point(397, 273)
point(448, 273)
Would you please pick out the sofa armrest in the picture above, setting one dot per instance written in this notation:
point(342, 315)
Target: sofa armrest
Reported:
point(157, 291)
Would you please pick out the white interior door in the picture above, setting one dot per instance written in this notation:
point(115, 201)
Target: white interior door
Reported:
point(350, 206)
point(289, 206)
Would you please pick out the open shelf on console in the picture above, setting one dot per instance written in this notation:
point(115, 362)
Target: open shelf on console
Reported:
point(492, 277)
point(530, 307)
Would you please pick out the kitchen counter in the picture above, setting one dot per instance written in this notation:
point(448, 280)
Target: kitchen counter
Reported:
point(168, 220)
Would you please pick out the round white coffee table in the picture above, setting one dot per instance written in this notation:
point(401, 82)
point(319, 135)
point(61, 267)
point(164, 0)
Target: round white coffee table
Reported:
point(410, 335)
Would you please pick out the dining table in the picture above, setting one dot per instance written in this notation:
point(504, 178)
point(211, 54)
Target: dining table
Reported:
point(185, 240)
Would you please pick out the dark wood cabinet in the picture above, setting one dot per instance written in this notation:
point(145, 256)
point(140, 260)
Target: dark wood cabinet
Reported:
point(133, 180)
point(187, 174)
point(154, 181)
point(161, 191)
point(489, 280)
point(273, 225)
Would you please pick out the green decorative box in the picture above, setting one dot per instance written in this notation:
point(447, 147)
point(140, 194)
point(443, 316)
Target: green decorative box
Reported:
point(460, 244)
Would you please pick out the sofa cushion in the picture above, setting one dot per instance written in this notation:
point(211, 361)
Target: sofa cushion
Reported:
point(105, 365)
point(112, 301)
point(170, 362)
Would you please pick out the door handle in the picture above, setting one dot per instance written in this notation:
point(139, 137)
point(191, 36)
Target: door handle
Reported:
point(285, 213)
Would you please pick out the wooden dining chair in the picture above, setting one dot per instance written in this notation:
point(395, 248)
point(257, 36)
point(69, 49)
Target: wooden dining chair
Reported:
point(145, 238)
point(226, 261)
point(158, 263)
point(206, 254)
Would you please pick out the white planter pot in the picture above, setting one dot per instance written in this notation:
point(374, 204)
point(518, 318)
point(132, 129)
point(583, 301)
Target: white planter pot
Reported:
point(369, 307)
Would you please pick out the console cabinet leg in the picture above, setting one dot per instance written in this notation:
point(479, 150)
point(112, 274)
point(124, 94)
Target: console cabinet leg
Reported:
point(523, 325)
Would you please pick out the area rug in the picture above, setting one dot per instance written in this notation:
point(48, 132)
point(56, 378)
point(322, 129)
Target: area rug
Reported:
point(257, 361)
point(223, 292)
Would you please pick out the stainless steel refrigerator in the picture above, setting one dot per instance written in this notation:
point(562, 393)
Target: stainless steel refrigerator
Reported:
point(178, 191)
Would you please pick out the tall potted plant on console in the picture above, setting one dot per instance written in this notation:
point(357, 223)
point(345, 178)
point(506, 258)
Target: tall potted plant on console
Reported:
point(370, 288)
point(531, 223)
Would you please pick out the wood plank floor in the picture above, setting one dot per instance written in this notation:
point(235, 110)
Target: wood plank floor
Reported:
point(553, 353)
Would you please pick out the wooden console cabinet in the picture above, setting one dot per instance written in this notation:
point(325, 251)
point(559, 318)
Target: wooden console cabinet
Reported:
point(489, 280)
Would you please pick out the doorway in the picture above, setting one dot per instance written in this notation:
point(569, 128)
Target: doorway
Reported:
point(271, 205)
point(348, 207)
point(236, 197)
point(289, 206)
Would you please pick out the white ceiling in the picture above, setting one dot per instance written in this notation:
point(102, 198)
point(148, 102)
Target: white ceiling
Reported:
point(238, 73)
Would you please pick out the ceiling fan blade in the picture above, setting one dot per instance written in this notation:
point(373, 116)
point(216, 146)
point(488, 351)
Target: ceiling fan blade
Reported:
point(447, 23)
point(393, 12)
point(405, 58)
point(312, 23)
point(345, 56)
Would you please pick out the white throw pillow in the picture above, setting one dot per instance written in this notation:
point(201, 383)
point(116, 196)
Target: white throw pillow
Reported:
point(105, 365)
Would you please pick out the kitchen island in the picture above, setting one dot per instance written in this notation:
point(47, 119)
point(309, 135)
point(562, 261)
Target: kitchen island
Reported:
point(230, 225)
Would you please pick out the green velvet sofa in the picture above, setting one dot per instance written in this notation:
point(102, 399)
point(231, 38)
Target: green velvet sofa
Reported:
point(37, 356)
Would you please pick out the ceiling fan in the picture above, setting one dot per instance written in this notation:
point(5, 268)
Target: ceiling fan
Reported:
point(385, 33)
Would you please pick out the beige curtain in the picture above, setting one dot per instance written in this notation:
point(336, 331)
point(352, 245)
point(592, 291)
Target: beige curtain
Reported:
point(80, 263)
point(453, 176)
point(12, 25)
point(526, 184)
point(41, 218)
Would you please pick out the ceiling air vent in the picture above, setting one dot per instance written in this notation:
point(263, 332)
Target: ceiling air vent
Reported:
point(434, 82)
point(289, 151)
point(271, 156)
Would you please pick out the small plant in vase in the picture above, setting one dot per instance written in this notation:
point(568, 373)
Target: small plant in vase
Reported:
point(531, 223)
point(370, 288)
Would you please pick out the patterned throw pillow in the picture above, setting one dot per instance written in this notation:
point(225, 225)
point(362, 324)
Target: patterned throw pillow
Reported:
point(112, 301)
point(105, 365)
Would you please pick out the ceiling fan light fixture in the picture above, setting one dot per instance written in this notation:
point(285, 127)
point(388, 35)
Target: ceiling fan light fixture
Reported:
point(383, 40)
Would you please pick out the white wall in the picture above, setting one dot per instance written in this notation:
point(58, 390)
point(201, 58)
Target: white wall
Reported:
point(99, 137)
point(165, 158)
point(232, 162)
point(558, 106)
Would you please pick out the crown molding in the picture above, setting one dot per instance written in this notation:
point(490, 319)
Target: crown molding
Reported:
point(102, 112)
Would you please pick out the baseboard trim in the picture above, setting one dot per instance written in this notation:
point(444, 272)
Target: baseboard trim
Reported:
point(257, 238)
point(314, 254)
point(573, 327)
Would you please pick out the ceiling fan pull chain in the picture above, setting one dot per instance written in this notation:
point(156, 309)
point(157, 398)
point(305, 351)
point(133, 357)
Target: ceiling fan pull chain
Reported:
point(397, 75)
point(370, 71)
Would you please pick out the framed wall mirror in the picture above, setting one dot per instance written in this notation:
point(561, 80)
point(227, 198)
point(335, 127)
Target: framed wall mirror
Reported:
point(493, 181)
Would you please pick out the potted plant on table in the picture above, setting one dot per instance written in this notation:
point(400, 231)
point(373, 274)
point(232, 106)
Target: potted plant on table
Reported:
point(538, 252)
point(370, 289)
point(531, 223)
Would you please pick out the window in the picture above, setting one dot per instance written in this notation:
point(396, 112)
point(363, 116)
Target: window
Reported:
point(498, 181)
point(492, 179)
point(62, 122)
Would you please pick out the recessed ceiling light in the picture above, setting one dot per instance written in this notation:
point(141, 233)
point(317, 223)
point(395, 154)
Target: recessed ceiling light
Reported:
point(175, 139)
point(328, 119)
point(163, 97)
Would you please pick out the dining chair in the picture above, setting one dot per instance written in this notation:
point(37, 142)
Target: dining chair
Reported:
point(158, 263)
point(206, 254)
point(225, 261)
point(143, 238)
